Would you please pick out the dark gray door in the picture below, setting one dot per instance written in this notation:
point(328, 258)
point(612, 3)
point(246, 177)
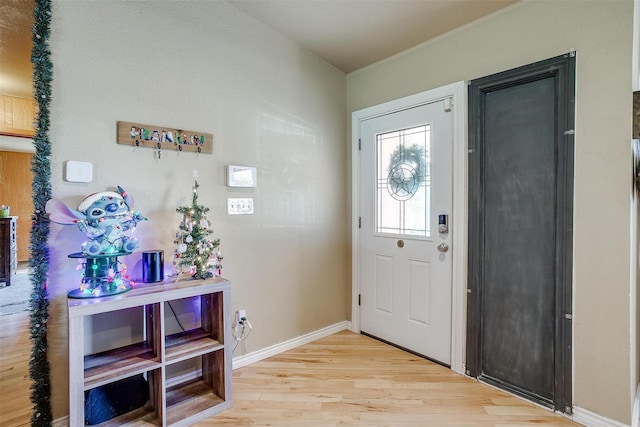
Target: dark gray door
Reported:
point(520, 210)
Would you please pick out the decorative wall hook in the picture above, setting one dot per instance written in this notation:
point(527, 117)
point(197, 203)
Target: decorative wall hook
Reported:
point(162, 137)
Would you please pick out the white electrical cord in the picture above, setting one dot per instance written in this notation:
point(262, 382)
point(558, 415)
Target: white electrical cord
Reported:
point(241, 331)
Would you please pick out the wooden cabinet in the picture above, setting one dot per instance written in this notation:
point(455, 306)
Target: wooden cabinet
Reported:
point(17, 116)
point(179, 400)
point(8, 248)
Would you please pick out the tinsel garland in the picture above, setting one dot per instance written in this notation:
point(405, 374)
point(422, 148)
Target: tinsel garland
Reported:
point(41, 192)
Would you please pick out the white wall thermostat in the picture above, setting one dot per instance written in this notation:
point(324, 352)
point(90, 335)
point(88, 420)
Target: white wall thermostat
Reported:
point(241, 176)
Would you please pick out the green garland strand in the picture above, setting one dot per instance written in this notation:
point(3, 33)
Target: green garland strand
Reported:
point(41, 192)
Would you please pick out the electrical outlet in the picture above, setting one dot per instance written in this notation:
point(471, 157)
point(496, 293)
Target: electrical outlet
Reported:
point(240, 314)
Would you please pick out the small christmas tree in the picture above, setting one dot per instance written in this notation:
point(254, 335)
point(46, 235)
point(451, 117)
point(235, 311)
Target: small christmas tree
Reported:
point(194, 250)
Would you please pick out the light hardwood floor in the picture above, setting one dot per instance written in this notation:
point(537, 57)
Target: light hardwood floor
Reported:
point(342, 380)
point(15, 348)
point(352, 380)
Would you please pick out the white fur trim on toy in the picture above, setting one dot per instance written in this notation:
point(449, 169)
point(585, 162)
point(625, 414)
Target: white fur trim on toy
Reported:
point(92, 198)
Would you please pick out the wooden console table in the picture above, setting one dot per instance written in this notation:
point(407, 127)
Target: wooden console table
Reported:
point(177, 401)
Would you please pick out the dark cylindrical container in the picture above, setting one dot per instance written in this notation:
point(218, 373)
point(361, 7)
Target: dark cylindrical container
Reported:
point(152, 266)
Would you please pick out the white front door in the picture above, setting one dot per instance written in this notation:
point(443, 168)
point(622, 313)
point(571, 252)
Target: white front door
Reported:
point(405, 206)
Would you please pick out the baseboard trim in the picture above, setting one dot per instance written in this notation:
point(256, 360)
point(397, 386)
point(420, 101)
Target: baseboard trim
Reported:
point(588, 418)
point(61, 422)
point(256, 356)
point(635, 414)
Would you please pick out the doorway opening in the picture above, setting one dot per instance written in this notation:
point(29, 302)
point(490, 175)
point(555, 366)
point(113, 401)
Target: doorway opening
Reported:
point(17, 115)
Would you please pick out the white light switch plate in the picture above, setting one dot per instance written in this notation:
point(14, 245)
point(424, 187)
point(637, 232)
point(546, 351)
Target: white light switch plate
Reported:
point(240, 206)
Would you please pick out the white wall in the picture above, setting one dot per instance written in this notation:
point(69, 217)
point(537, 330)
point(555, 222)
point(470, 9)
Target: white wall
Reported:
point(601, 32)
point(205, 66)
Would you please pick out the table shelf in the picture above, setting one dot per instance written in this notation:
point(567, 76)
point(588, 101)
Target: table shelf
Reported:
point(188, 344)
point(191, 397)
point(181, 404)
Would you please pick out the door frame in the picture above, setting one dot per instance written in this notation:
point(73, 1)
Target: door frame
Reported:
point(563, 69)
point(458, 93)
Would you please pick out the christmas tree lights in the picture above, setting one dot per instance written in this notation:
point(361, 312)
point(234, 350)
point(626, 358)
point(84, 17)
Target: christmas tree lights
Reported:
point(104, 217)
point(195, 253)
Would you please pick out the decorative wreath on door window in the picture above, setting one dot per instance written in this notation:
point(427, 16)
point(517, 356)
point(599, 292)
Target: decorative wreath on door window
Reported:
point(407, 170)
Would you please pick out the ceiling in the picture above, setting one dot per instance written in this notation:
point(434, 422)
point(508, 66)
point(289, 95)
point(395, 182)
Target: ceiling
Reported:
point(350, 34)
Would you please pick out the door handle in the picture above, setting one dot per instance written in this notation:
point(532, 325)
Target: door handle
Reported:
point(443, 247)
